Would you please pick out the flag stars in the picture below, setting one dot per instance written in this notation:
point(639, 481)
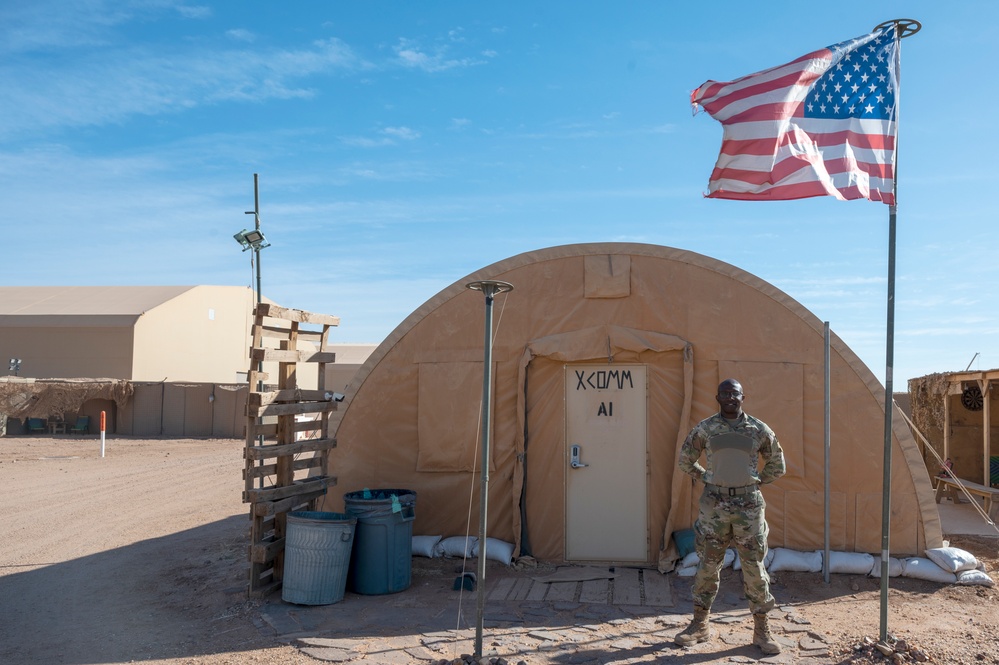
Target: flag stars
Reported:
point(863, 90)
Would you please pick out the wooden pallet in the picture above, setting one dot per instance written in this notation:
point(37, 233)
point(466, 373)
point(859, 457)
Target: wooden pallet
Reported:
point(287, 433)
point(628, 586)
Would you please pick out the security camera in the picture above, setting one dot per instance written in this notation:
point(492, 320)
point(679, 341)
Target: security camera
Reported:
point(336, 397)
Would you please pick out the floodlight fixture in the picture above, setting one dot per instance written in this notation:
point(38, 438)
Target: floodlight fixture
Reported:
point(253, 239)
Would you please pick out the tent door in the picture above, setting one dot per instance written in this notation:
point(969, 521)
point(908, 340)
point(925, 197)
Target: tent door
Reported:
point(605, 463)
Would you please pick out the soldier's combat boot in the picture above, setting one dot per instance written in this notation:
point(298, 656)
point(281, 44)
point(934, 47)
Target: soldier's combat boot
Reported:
point(762, 637)
point(698, 631)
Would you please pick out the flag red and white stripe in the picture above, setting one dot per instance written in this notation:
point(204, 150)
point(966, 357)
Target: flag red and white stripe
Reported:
point(822, 125)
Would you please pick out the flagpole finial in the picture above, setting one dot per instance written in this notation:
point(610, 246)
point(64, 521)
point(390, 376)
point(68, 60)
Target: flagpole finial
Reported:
point(906, 27)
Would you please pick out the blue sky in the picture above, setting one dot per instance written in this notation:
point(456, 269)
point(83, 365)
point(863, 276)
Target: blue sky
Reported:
point(402, 146)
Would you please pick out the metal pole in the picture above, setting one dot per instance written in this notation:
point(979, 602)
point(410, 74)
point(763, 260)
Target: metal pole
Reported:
point(886, 478)
point(256, 258)
point(903, 28)
point(256, 225)
point(828, 440)
point(489, 288)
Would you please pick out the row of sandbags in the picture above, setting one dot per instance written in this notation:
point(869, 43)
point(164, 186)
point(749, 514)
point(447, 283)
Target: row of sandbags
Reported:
point(947, 565)
point(462, 547)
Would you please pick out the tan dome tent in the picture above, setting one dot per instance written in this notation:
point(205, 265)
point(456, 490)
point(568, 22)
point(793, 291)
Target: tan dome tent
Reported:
point(606, 354)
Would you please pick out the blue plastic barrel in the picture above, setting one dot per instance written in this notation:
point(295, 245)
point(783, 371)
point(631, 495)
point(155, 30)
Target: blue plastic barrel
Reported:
point(316, 557)
point(381, 560)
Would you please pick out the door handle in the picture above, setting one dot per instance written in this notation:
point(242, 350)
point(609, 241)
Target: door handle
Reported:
point(574, 459)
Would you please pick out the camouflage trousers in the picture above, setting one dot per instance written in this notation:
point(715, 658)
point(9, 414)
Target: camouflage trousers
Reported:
point(739, 521)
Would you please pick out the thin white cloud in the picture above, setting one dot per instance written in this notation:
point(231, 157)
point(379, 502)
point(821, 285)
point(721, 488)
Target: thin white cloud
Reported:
point(115, 85)
point(240, 35)
point(389, 136)
point(404, 133)
point(67, 24)
point(366, 142)
point(410, 55)
point(194, 11)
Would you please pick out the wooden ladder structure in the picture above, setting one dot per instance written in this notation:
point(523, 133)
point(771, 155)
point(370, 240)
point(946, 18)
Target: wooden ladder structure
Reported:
point(287, 434)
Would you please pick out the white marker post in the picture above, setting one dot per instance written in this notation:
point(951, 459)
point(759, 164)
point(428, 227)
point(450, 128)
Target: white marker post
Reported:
point(103, 424)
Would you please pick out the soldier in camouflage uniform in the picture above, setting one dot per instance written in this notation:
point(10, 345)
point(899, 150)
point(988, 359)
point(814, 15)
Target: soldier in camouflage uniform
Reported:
point(731, 508)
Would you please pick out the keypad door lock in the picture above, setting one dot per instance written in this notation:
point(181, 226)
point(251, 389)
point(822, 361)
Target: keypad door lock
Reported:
point(574, 459)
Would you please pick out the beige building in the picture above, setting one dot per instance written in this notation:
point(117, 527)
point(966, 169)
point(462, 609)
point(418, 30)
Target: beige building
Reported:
point(183, 349)
point(139, 333)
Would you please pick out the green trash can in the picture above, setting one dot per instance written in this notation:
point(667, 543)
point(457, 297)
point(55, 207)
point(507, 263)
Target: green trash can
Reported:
point(381, 561)
point(316, 557)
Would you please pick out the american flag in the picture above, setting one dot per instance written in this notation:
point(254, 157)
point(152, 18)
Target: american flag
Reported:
point(822, 125)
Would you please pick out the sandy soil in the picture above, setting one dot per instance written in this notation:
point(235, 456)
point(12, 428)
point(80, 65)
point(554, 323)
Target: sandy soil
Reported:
point(140, 557)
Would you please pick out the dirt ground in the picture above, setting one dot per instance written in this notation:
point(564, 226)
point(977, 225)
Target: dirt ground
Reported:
point(140, 556)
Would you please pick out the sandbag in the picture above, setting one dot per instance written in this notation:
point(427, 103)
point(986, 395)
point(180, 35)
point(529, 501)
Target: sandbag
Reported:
point(975, 578)
point(851, 563)
point(894, 567)
point(455, 546)
point(952, 559)
point(921, 568)
point(794, 561)
point(424, 545)
point(496, 549)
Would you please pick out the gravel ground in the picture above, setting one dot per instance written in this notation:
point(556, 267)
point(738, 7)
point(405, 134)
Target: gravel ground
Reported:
point(140, 556)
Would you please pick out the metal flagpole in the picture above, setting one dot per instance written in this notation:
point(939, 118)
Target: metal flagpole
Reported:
point(827, 442)
point(903, 28)
point(489, 288)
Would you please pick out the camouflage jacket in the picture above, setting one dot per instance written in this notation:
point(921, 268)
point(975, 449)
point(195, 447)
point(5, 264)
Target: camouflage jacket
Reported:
point(764, 444)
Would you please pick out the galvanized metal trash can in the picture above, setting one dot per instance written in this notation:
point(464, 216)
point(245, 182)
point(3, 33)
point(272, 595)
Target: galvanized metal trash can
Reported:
point(316, 557)
point(381, 561)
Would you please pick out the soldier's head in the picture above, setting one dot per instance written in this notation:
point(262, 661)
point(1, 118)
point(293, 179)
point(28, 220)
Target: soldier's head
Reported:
point(730, 398)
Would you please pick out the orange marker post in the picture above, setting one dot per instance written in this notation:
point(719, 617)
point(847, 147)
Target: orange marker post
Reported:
point(103, 426)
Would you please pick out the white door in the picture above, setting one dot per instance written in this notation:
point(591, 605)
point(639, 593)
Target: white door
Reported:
point(606, 463)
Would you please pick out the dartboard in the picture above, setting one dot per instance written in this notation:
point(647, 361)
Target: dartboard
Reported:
point(971, 398)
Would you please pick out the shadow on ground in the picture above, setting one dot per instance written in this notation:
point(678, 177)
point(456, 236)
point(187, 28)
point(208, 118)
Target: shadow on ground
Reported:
point(165, 597)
